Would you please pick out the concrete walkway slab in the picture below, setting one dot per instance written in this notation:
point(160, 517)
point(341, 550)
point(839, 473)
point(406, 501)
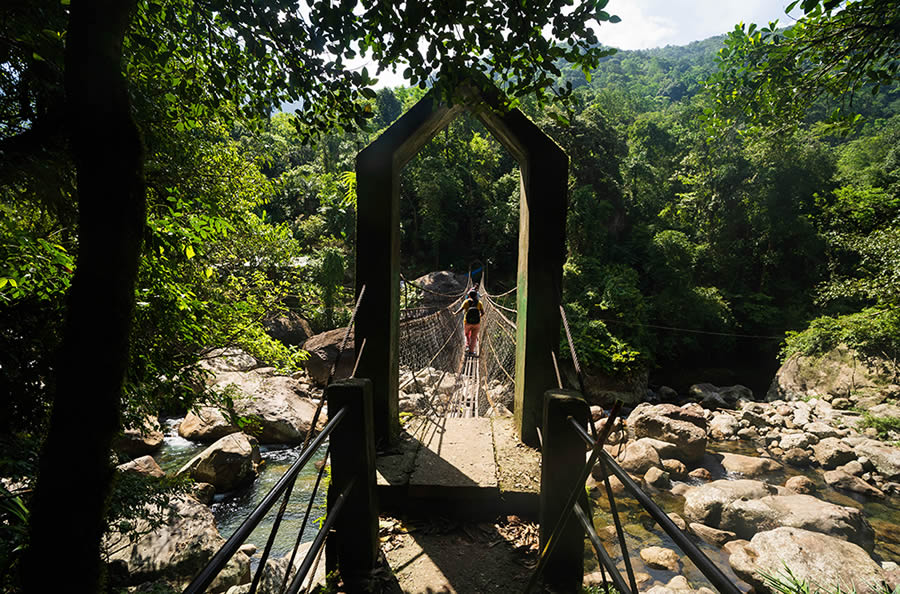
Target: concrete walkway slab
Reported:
point(469, 468)
point(461, 455)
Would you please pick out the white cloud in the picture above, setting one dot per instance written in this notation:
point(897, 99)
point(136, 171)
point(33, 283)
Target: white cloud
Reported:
point(638, 29)
point(656, 23)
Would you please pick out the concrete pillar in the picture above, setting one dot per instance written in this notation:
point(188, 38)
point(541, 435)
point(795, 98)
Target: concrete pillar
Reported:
point(378, 268)
point(562, 461)
point(354, 546)
point(542, 244)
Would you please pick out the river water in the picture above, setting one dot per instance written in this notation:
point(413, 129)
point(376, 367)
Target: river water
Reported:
point(641, 531)
point(231, 509)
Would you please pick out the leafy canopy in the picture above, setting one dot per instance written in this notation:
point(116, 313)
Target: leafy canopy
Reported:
point(837, 49)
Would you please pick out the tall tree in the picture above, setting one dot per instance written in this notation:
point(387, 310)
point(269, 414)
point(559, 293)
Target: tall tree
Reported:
point(106, 148)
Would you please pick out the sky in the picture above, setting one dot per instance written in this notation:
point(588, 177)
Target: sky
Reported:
point(657, 23)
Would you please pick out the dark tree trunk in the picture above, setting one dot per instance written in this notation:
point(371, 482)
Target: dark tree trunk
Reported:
point(67, 519)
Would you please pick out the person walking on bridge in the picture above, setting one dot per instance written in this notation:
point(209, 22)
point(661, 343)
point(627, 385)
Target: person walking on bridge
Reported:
point(473, 308)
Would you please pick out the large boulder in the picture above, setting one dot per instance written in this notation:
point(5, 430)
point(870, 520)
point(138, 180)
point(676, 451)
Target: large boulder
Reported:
point(714, 397)
point(746, 517)
point(831, 452)
point(824, 561)
point(723, 426)
point(144, 465)
point(206, 425)
point(140, 440)
point(279, 410)
point(886, 458)
point(231, 462)
point(227, 359)
point(323, 351)
point(839, 372)
point(843, 480)
point(684, 426)
point(704, 504)
point(749, 466)
point(439, 286)
point(288, 328)
point(639, 456)
point(176, 550)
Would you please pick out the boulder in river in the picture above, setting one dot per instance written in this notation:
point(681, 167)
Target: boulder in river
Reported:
point(231, 462)
point(639, 456)
point(323, 351)
point(684, 426)
point(801, 485)
point(661, 558)
point(713, 536)
point(842, 480)
point(140, 441)
point(277, 405)
point(145, 465)
point(176, 550)
point(746, 517)
point(723, 426)
point(749, 466)
point(825, 561)
point(704, 504)
point(714, 397)
point(885, 458)
point(206, 425)
point(831, 452)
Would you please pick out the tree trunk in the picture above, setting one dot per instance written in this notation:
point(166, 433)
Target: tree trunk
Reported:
point(67, 519)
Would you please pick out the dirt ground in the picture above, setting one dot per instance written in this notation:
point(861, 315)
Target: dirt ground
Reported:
point(440, 556)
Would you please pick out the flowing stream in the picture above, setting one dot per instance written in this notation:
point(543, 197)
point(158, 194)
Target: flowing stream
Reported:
point(231, 509)
point(641, 531)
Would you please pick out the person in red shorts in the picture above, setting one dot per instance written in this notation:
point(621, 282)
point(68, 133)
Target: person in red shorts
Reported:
point(473, 308)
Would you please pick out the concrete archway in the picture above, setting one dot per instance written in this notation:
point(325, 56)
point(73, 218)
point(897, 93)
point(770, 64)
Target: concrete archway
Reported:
point(542, 227)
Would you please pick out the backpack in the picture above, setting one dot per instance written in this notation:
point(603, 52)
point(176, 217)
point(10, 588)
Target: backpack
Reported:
point(473, 316)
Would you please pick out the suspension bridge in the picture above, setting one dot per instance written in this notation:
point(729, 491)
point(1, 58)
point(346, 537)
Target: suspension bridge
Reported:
point(410, 348)
point(459, 413)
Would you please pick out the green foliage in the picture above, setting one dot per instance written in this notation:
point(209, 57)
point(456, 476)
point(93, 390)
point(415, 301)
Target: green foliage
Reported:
point(330, 278)
point(888, 427)
point(873, 332)
point(768, 74)
point(785, 581)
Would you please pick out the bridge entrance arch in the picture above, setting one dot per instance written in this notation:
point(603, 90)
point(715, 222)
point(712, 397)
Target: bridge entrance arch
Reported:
point(543, 167)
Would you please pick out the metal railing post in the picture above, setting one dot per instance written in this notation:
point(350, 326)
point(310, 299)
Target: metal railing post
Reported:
point(562, 461)
point(353, 547)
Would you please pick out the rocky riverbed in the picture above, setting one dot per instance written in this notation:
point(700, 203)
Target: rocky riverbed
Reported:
point(759, 483)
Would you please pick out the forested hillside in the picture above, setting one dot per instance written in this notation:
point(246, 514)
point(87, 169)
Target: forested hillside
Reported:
point(691, 249)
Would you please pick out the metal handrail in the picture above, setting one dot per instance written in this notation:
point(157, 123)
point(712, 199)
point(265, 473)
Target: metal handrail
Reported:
point(605, 560)
point(573, 497)
point(319, 540)
point(709, 569)
point(221, 558)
